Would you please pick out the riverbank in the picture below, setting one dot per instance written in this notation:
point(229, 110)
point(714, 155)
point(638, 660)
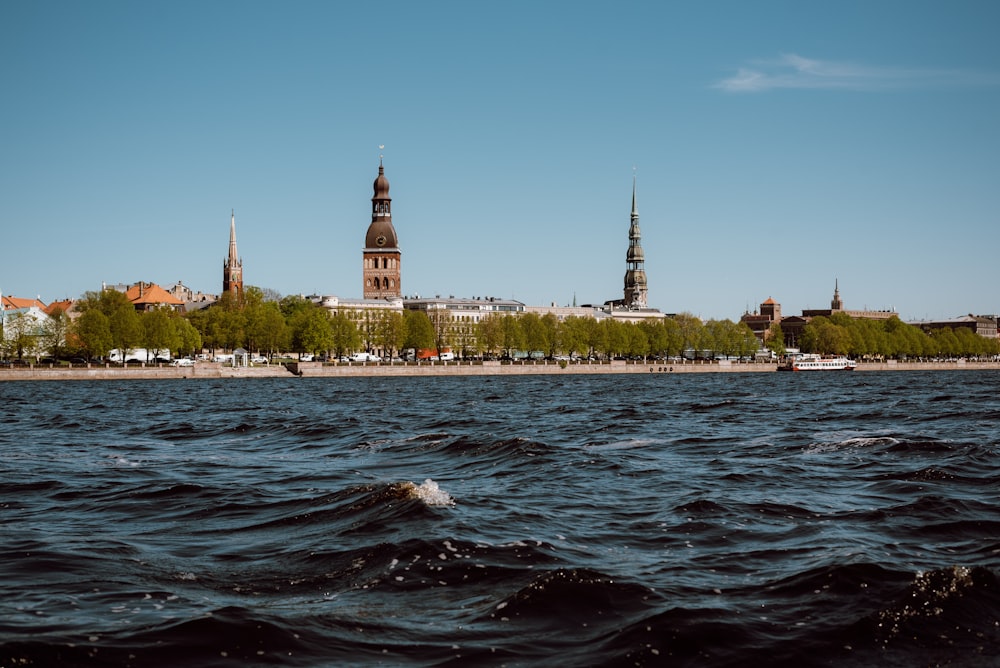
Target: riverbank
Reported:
point(541, 367)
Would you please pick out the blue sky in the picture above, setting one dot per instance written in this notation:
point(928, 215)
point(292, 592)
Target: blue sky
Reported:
point(778, 147)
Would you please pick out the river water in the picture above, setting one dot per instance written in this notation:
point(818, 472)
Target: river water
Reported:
point(816, 519)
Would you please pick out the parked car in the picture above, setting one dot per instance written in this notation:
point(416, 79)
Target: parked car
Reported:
point(183, 361)
point(363, 357)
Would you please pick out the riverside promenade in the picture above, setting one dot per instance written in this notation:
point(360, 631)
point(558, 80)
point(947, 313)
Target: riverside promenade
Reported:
point(205, 370)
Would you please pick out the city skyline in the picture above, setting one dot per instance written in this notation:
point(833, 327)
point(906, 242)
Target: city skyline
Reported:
point(778, 149)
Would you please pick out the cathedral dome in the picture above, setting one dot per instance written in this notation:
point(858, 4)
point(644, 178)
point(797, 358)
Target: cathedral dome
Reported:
point(381, 234)
point(381, 185)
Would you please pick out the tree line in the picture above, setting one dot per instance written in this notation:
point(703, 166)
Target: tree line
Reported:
point(265, 323)
point(839, 334)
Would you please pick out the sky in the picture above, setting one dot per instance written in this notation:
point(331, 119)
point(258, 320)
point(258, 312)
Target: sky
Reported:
point(778, 149)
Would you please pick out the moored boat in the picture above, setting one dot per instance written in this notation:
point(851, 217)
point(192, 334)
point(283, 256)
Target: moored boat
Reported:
point(818, 363)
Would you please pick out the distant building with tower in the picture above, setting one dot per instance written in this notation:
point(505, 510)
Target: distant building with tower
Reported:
point(381, 256)
point(634, 304)
point(761, 322)
point(636, 291)
point(232, 268)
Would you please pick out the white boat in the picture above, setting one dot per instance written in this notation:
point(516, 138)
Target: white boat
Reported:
point(817, 363)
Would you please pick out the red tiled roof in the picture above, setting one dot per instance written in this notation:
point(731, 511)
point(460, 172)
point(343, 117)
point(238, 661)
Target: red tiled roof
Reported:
point(65, 305)
point(18, 302)
point(151, 293)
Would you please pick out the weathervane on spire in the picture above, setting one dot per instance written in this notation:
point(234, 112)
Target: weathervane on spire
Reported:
point(380, 147)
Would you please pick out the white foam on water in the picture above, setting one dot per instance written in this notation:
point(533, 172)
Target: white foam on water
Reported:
point(432, 495)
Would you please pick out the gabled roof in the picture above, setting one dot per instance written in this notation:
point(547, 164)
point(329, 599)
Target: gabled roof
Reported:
point(18, 302)
point(64, 306)
point(151, 293)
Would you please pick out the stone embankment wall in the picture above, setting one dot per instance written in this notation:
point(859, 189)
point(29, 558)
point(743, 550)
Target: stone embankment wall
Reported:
point(319, 370)
point(541, 367)
point(893, 365)
point(107, 372)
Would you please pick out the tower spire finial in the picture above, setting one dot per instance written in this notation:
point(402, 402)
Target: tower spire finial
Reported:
point(635, 212)
point(635, 273)
point(232, 268)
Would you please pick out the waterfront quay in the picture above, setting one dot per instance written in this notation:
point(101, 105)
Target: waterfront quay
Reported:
point(456, 368)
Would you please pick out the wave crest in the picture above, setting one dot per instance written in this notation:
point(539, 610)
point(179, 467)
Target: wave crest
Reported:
point(429, 492)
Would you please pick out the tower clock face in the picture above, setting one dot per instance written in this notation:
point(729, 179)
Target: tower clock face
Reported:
point(380, 240)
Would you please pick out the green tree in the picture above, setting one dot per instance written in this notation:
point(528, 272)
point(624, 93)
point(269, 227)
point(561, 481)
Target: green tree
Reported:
point(657, 340)
point(774, 340)
point(389, 332)
point(675, 338)
point(823, 336)
point(293, 304)
point(19, 335)
point(636, 343)
point(188, 338)
point(368, 327)
point(159, 332)
point(346, 336)
point(612, 340)
point(490, 333)
point(55, 331)
point(123, 321)
point(691, 331)
point(267, 328)
point(199, 321)
point(970, 344)
point(225, 327)
point(553, 333)
point(535, 333)
point(419, 330)
point(573, 333)
point(512, 334)
point(717, 338)
point(441, 321)
point(595, 336)
point(126, 328)
point(93, 330)
point(311, 330)
point(947, 342)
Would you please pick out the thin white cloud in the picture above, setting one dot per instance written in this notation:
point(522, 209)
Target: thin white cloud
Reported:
point(792, 71)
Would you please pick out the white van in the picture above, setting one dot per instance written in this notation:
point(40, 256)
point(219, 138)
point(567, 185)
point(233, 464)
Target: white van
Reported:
point(363, 357)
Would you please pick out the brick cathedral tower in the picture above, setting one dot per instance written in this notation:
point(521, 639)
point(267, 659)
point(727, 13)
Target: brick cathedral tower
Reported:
point(381, 257)
point(635, 273)
point(232, 268)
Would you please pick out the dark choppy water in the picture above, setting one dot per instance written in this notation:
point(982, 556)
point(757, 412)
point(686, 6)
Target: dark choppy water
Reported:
point(707, 520)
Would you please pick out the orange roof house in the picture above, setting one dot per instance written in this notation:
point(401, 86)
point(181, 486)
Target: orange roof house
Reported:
point(19, 302)
point(66, 306)
point(148, 296)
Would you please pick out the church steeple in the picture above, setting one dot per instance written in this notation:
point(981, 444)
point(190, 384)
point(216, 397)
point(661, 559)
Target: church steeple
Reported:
point(381, 256)
point(635, 273)
point(232, 268)
point(835, 303)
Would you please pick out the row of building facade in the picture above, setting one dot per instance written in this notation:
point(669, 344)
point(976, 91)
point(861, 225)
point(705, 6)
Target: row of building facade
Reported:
point(382, 281)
